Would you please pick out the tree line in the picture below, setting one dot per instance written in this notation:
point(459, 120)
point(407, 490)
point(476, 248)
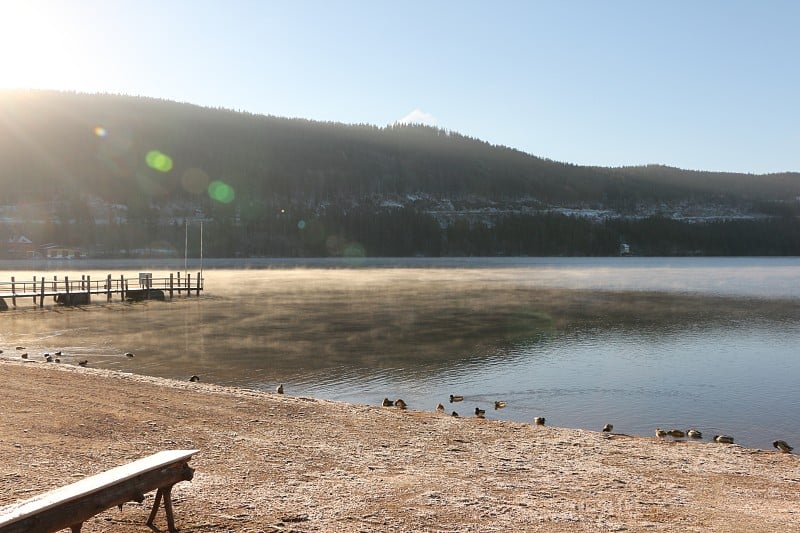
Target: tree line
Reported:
point(303, 188)
point(371, 230)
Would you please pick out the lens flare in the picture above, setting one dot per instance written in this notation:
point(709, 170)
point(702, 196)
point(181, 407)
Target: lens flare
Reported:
point(301, 224)
point(100, 131)
point(221, 191)
point(158, 161)
point(354, 250)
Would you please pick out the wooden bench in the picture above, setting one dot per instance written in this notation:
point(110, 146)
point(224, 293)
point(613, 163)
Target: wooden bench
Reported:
point(71, 505)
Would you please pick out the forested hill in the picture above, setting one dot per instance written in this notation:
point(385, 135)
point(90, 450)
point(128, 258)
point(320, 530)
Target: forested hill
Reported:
point(49, 143)
point(115, 175)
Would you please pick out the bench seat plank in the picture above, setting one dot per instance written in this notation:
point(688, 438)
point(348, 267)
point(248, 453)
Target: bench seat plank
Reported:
point(90, 485)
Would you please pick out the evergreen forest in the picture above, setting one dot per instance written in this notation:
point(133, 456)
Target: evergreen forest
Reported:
point(121, 176)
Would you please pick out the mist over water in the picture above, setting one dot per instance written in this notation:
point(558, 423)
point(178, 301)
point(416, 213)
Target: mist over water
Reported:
point(640, 343)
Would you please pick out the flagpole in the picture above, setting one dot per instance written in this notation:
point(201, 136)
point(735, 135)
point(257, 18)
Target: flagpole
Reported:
point(201, 252)
point(186, 250)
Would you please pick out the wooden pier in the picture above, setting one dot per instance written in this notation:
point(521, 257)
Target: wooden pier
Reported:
point(82, 291)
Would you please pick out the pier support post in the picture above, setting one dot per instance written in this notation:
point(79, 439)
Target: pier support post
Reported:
point(13, 292)
point(198, 284)
point(88, 289)
point(170, 285)
point(108, 288)
point(41, 295)
point(188, 284)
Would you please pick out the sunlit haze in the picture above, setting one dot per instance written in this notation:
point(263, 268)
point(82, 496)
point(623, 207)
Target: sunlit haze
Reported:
point(699, 85)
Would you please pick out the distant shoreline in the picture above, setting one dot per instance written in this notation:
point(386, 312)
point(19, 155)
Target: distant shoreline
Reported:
point(176, 264)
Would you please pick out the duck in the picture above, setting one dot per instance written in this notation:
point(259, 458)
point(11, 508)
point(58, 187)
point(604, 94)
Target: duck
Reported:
point(783, 446)
point(676, 433)
point(499, 404)
point(454, 398)
point(480, 413)
point(539, 420)
point(25, 355)
point(58, 353)
point(608, 428)
point(83, 363)
point(387, 402)
point(194, 379)
point(660, 433)
point(440, 408)
point(20, 347)
point(279, 389)
point(694, 434)
point(129, 354)
point(400, 403)
point(49, 358)
point(724, 439)
point(455, 415)
point(56, 360)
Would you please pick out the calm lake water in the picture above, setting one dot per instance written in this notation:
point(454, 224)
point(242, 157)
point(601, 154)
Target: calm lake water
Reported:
point(637, 342)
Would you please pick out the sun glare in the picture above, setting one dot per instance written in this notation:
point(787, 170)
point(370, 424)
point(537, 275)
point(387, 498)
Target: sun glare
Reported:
point(39, 48)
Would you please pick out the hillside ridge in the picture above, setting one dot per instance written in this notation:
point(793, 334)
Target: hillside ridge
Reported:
point(122, 174)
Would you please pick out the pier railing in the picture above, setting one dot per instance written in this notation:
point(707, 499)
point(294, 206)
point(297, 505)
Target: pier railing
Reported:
point(65, 289)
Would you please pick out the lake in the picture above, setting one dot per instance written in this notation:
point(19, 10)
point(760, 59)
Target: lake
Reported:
point(641, 343)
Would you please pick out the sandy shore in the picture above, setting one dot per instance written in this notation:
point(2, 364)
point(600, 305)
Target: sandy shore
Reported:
point(281, 463)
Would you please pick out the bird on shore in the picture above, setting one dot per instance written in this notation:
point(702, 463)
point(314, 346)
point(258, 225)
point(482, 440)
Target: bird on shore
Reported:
point(25, 355)
point(49, 358)
point(480, 413)
point(20, 347)
point(128, 354)
point(676, 433)
point(279, 390)
point(499, 404)
point(58, 353)
point(194, 379)
point(56, 360)
point(608, 428)
point(539, 420)
point(783, 446)
point(387, 402)
point(660, 433)
point(400, 404)
point(455, 415)
point(454, 398)
point(83, 363)
point(440, 408)
point(694, 434)
point(723, 439)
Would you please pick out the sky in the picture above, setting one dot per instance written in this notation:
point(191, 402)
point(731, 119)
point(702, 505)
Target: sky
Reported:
point(695, 84)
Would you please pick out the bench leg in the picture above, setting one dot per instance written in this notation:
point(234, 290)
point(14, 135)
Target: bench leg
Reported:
point(168, 508)
point(166, 493)
point(155, 508)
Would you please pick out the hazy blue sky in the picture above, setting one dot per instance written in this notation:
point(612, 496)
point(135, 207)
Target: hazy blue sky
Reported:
point(696, 84)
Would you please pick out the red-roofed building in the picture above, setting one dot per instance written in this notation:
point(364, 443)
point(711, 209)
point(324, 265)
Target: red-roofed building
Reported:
point(21, 246)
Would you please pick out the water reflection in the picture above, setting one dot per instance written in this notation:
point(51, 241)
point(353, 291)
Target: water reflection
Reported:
point(581, 357)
